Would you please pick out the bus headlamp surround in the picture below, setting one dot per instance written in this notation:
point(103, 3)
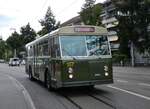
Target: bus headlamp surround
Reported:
point(70, 70)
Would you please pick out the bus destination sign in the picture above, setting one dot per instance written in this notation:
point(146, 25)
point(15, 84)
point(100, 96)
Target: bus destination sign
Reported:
point(84, 29)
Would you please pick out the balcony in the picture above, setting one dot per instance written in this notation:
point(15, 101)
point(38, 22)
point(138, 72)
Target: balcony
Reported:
point(110, 20)
point(114, 46)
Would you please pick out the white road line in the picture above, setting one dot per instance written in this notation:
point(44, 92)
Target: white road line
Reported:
point(133, 93)
point(24, 91)
point(144, 84)
point(123, 81)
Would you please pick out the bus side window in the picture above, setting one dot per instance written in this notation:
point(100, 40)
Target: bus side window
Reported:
point(55, 51)
point(45, 48)
point(56, 46)
point(52, 48)
point(30, 51)
point(39, 50)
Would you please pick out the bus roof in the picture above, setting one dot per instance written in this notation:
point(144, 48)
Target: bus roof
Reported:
point(74, 30)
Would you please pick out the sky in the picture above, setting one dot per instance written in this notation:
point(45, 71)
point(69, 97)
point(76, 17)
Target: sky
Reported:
point(17, 13)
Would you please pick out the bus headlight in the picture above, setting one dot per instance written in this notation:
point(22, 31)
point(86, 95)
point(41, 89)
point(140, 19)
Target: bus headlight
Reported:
point(70, 70)
point(70, 76)
point(106, 73)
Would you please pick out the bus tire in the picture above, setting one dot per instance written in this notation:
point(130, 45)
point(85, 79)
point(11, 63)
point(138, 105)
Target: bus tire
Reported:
point(30, 74)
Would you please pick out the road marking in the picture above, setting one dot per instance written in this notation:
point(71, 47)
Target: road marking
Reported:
point(123, 81)
point(27, 96)
point(144, 84)
point(133, 93)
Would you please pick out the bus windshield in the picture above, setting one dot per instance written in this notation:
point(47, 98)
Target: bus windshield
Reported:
point(84, 45)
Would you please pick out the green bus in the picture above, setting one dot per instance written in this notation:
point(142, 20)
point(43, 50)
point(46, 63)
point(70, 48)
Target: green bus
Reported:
point(71, 56)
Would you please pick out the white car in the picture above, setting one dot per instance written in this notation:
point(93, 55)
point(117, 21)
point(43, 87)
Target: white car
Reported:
point(14, 62)
point(2, 60)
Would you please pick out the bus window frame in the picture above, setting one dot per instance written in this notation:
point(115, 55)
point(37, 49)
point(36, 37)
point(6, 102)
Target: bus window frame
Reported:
point(102, 56)
point(54, 46)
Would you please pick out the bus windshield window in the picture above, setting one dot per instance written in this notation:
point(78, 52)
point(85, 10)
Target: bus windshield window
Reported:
point(73, 46)
point(84, 45)
point(97, 45)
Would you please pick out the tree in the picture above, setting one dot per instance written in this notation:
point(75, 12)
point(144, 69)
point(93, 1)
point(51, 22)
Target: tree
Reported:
point(48, 23)
point(27, 33)
point(2, 49)
point(15, 42)
point(90, 13)
point(134, 18)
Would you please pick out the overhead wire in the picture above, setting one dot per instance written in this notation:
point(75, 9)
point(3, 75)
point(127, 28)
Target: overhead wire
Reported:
point(67, 7)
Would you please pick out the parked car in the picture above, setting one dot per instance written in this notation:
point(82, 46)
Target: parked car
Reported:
point(14, 62)
point(2, 60)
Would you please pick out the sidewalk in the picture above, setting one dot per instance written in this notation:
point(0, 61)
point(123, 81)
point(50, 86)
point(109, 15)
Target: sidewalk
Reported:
point(12, 95)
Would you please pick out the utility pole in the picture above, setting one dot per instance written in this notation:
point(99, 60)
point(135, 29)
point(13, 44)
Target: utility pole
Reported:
point(132, 54)
point(15, 53)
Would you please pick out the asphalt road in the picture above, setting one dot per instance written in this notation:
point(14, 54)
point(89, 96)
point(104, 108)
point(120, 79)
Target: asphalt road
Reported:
point(131, 90)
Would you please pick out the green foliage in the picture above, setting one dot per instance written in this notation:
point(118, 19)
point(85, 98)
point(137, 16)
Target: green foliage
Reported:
point(17, 41)
point(2, 49)
point(90, 13)
point(117, 58)
point(134, 18)
point(48, 23)
point(27, 33)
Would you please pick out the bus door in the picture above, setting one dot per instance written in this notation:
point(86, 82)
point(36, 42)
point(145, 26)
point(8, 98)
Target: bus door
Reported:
point(55, 54)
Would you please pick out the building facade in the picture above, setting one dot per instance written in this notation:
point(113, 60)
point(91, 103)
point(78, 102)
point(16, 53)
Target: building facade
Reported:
point(110, 22)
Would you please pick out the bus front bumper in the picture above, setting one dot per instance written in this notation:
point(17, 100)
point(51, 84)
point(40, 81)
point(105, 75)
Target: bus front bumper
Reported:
point(86, 83)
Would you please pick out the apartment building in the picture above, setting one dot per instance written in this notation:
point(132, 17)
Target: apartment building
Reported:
point(110, 22)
